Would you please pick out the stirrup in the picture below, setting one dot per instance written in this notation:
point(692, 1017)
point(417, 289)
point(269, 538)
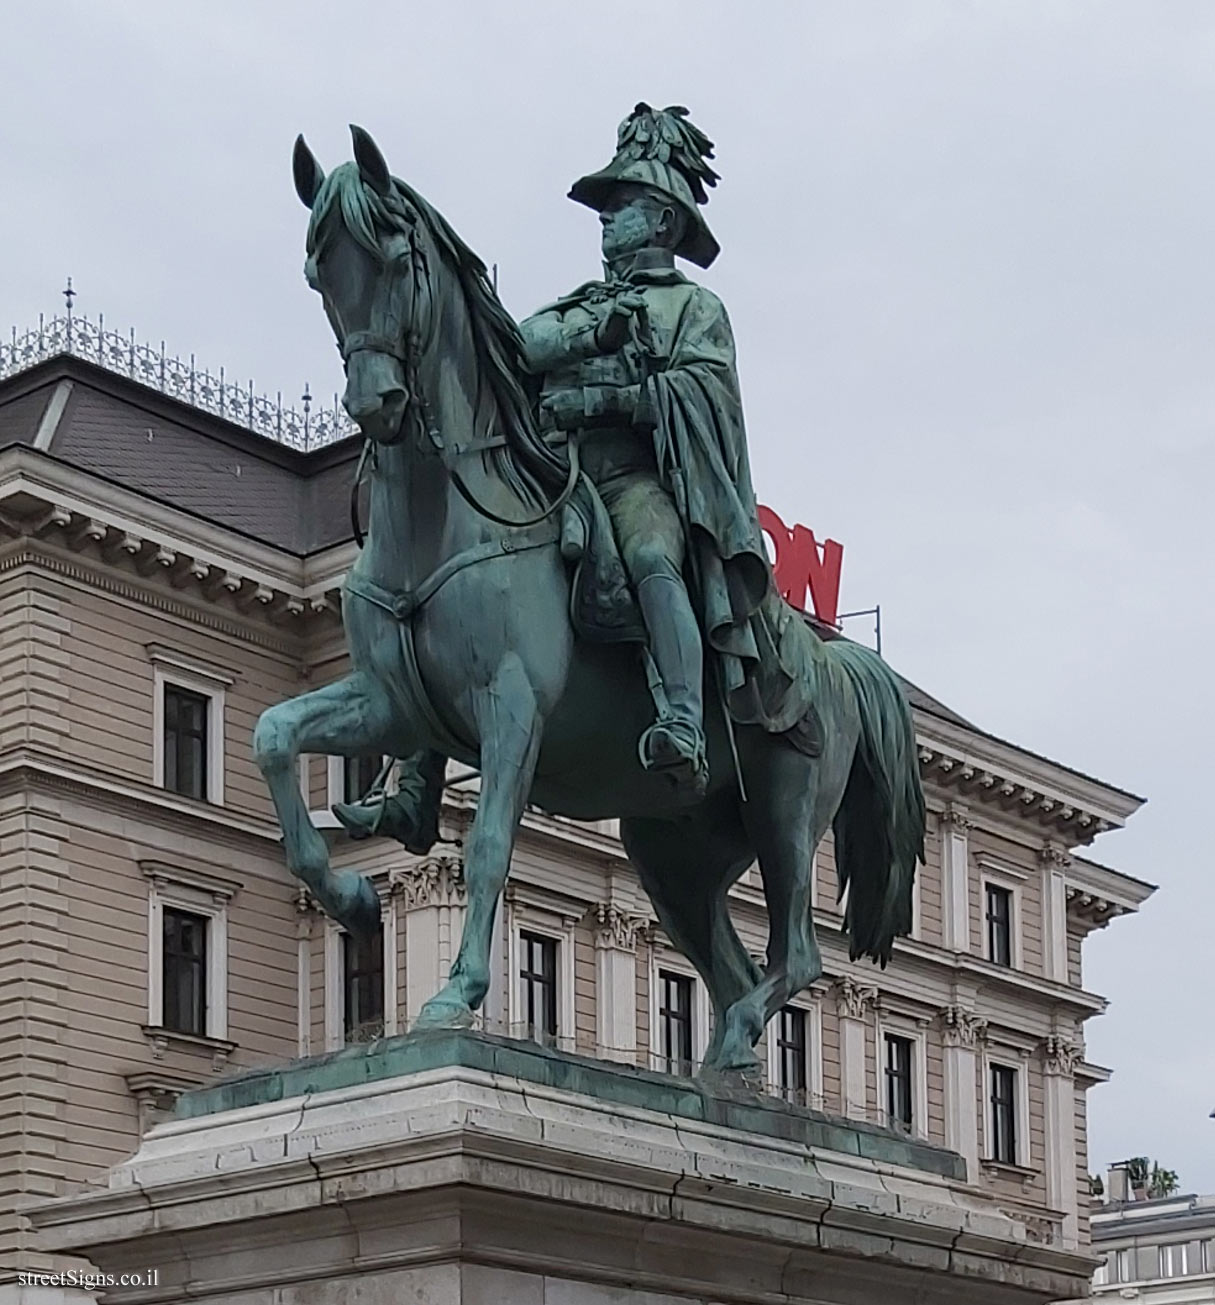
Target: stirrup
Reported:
point(680, 753)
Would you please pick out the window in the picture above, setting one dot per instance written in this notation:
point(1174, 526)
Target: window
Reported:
point(675, 1022)
point(1175, 1261)
point(360, 987)
point(791, 1054)
point(363, 987)
point(1123, 1272)
point(538, 985)
point(184, 971)
point(898, 1072)
point(188, 724)
point(794, 1052)
point(185, 741)
point(358, 775)
point(1003, 1114)
point(187, 951)
point(999, 924)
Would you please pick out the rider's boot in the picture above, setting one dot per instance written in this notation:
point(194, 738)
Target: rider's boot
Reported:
point(411, 814)
point(675, 743)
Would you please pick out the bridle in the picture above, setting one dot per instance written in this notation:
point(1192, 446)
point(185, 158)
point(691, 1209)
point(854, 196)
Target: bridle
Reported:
point(407, 349)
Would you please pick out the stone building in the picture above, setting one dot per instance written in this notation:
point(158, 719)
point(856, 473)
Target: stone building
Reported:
point(170, 556)
point(1161, 1252)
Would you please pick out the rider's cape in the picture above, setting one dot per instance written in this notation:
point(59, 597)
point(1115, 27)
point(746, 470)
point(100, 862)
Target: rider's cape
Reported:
point(762, 644)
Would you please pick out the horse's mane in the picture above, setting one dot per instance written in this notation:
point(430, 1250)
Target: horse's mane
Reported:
point(525, 462)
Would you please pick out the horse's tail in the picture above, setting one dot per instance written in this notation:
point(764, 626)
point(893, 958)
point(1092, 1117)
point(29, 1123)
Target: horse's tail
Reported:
point(879, 827)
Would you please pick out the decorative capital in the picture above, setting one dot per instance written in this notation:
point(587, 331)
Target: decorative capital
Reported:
point(1062, 1056)
point(436, 880)
point(854, 1000)
point(1053, 857)
point(956, 817)
point(616, 928)
point(962, 1027)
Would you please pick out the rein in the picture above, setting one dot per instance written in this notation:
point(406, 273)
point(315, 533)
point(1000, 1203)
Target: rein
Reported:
point(408, 352)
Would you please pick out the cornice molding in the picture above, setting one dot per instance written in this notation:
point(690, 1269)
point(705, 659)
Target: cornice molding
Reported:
point(1096, 894)
point(46, 561)
point(25, 770)
point(41, 499)
point(986, 771)
point(190, 873)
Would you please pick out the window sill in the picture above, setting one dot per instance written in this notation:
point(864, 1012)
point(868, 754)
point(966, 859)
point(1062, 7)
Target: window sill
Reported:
point(1016, 1173)
point(163, 1040)
point(210, 804)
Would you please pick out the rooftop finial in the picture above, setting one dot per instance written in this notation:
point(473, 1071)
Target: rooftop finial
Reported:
point(68, 295)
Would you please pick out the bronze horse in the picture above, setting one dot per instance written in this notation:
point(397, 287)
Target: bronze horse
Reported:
point(460, 640)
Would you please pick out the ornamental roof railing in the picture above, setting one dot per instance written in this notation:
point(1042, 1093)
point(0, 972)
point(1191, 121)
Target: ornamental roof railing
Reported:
point(301, 428)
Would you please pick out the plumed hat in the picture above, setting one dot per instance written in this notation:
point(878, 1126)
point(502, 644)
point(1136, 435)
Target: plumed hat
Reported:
point(661, 149)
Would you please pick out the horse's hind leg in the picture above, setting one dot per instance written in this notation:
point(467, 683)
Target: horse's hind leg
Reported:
point(687, 865)
point(348, 717)
point(795, 800)
point(509, 726)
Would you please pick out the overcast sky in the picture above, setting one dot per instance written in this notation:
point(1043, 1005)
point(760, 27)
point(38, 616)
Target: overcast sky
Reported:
point(967, 254)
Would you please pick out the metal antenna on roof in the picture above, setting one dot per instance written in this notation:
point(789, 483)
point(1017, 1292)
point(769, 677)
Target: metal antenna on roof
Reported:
point(69, 294)
point(306, 400)
point(876, 613)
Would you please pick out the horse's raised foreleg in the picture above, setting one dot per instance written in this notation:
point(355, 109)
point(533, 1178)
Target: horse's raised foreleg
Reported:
point(347, 718)
point(509, 725)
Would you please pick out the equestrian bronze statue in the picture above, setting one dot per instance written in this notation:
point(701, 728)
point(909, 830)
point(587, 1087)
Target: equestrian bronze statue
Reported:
point(563, 584)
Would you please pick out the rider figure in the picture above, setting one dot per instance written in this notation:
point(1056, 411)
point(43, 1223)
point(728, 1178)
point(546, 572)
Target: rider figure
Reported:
point(641, 367)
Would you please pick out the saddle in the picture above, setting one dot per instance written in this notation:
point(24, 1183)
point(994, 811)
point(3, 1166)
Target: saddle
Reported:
point(602, 606)
point(603, 610)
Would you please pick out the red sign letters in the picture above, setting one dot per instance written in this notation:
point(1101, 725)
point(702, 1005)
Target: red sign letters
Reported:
point(802, 564)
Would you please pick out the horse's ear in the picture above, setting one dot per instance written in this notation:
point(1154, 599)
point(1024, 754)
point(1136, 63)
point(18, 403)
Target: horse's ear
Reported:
point(372, 167)
point(308, 172)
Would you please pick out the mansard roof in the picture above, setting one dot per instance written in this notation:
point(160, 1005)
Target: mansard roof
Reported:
point(181, 455)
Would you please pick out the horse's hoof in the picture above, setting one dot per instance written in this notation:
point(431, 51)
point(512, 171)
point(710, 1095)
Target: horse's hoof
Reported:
point(444, 1013)
point(742, 1070)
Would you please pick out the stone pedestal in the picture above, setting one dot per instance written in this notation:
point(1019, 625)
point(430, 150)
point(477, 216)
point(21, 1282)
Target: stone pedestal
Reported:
point(462, 1170)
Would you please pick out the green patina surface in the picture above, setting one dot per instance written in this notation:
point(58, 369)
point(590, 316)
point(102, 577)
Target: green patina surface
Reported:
point(621, 1085)
point(564, 584)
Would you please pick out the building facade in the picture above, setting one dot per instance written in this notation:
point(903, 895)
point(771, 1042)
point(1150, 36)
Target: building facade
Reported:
point(1159, 1252)
point(166, 573)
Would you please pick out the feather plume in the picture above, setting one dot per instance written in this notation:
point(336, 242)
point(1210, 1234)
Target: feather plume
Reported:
point(668, 136)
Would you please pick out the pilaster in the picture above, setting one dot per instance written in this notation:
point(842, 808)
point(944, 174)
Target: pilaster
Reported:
point(430, 893)
point(962, 1033)
point(955, 877)
point(616, 936)
point(856, 1004)
point(1055, 862)
point(305, 921)
point(1060, 1060)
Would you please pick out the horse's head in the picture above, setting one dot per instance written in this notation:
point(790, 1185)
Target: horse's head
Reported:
point(367, 259)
